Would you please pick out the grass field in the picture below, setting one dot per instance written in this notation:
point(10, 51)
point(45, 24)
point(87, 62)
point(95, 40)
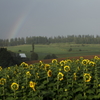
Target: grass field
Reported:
point(59, 49)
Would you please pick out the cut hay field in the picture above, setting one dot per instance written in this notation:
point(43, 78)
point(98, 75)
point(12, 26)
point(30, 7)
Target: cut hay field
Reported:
point(61, 50)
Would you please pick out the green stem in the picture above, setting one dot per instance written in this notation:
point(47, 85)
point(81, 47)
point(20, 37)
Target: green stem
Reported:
point(14, 94)
point(3, 93)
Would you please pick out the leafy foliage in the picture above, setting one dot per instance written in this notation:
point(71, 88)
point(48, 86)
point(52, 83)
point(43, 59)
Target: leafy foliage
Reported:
point(8, 58)
point(67, 80)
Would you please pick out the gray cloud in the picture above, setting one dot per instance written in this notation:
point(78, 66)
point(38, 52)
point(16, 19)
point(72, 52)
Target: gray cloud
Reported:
point(50, 17)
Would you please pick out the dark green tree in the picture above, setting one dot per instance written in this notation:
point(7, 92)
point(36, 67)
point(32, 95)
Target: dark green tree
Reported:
point(8, 58)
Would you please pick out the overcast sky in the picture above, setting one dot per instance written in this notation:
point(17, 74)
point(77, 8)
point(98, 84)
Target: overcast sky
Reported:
point(21, 18)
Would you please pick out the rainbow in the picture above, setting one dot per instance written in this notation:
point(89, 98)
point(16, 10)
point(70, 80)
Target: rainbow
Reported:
point(17, 26)
point(19, 23)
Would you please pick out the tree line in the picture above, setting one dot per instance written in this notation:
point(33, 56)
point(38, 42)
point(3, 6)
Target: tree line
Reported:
point(78, 39)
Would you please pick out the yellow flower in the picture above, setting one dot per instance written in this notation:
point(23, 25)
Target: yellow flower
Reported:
point(96, 57)
point(46, 66)
point(66, 68)
point(60, 76)
point(54, 61)
point(37, 74)
point(77, 61)
point(49, 73)
point(75, 76)
point(99, 85)
point(0, 68)
point(41, 63)
point(22, 87)
point(67, 61)
point(60, 69)
point(23, 64)
point(91, 63)
point(62, 63)
point(2, 81)
point(87, 77)
point(66, 90)
point(32, 85)
point(31, 66)
point(78, 68)
point(28, 74)
point(85, 61)
point(8, 68)
point(81, 57)
point(14, 86)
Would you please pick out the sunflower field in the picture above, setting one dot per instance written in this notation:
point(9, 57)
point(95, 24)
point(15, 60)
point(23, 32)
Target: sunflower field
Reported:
point(77, 79)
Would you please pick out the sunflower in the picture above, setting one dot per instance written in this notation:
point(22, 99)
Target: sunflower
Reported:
point(96, 57)
point(85, 61)
point(59, 69)
point(62, 63)
point(87, 77)
point(91, 63)
point(41, 63)
point(23, 64)
point(47, 66)
point(14, 86)
point(54, 61)
point(49, 73)
point(8, 68)
point(37, 75)
point(32, 85)
point(28, 74)
point(67, 61)
point(2, 81)
point(78, 68)
point(60, 76)
point(75, 76)
point(31, 66)
point(0, 68)
point(66, 68)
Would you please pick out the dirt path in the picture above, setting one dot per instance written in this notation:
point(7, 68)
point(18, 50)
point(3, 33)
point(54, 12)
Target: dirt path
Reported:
point(59, 59)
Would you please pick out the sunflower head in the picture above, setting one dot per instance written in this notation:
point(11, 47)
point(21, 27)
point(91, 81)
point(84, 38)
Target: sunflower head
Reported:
point(47, 66)
point(8, 68)
point(75, 76)
point(96, 57)
point(31, 66)
point(2, 81)
point(32, 85)
point(66, 68)
point(37, 75)
point(14, 86)
point(62, 63)
point(54, 61)
point(49, 73)
point(60, 76)
point(23, 64)
point(28, 74)
point(85, 61)
point(87, 77)
point(91, 63)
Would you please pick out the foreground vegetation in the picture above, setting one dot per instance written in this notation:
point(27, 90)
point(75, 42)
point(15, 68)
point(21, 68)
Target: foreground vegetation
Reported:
point(59, 49)
point(65, 80)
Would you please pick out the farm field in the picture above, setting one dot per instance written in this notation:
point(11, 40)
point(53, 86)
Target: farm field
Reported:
point(61, 50)
point(77, 79)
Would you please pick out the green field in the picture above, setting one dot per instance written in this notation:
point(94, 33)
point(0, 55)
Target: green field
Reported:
point(59, 49)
